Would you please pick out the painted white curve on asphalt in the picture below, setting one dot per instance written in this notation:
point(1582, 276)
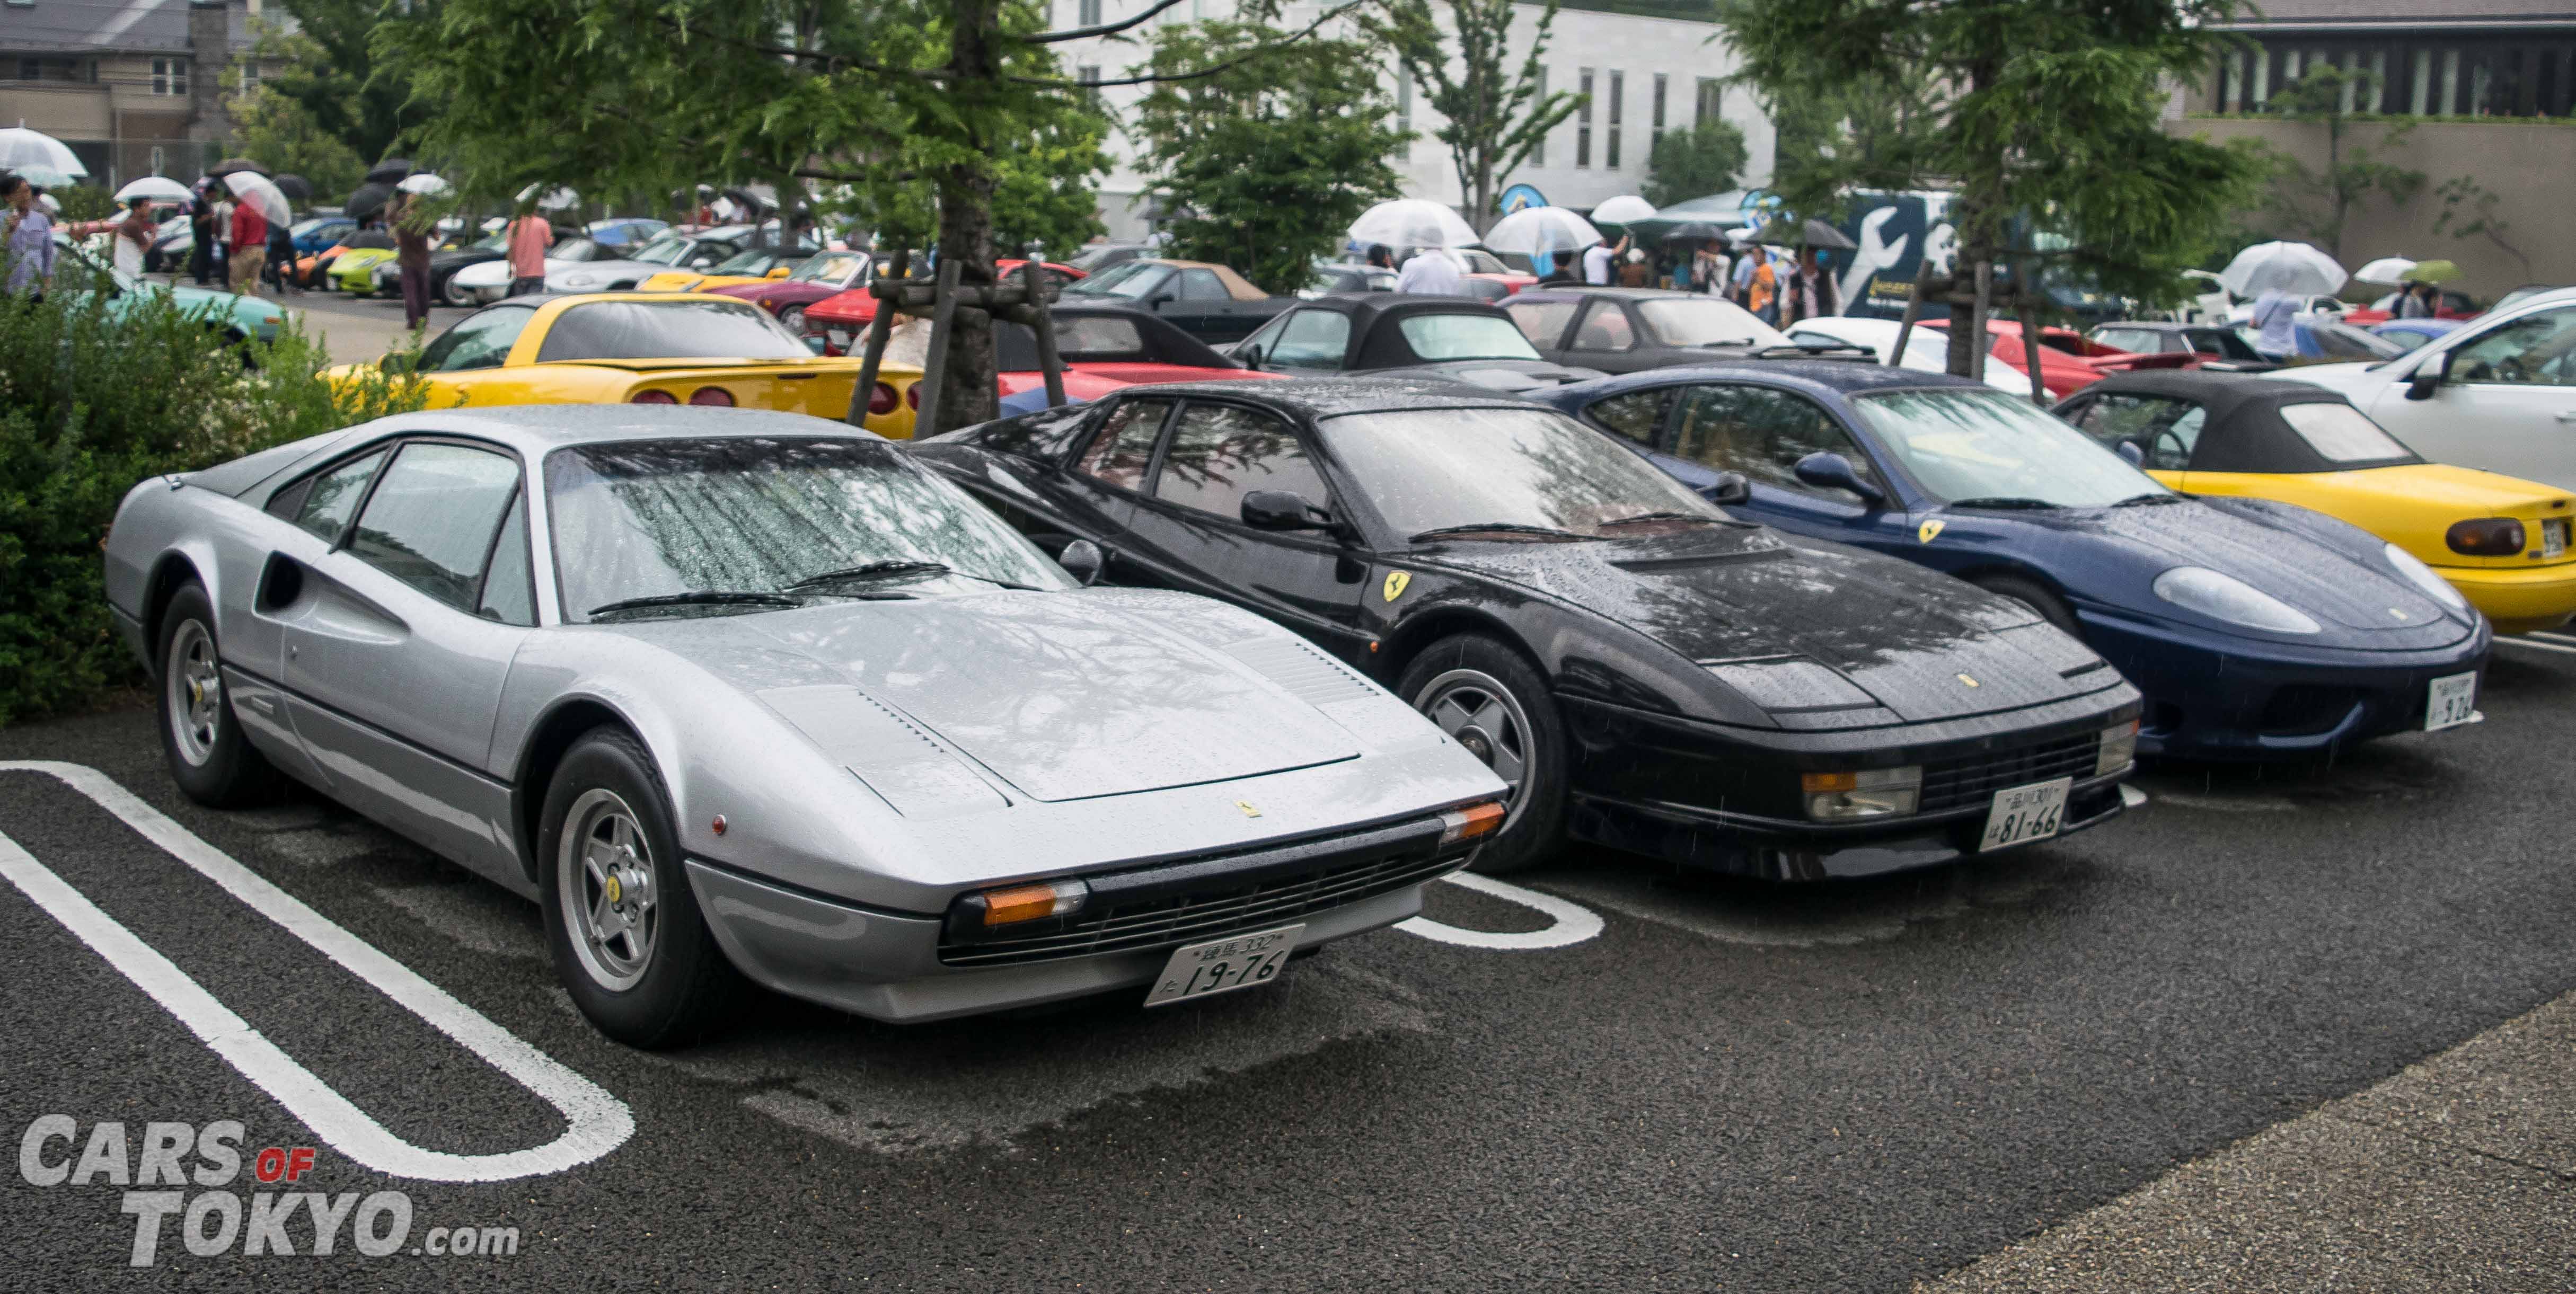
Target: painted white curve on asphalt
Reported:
point(597, 1122)
point(1573, 922)
point(2556, 646)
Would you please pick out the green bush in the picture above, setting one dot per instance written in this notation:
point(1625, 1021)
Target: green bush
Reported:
point(97, 392)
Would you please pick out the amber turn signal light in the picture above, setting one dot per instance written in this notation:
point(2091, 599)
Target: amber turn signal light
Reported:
point(1014, 904)
point(1471, 822)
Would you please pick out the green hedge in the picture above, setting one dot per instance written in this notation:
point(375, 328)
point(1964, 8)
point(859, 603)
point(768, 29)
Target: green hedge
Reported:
point(98, 391)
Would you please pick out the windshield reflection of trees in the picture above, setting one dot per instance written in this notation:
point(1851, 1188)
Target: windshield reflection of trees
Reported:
point(1218, 453)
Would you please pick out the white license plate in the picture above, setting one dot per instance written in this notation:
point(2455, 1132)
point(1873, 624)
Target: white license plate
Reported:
point(2022, 814)
point(1224, 965)
point(2454, 702)
point(840, 339)
point(2553, 538)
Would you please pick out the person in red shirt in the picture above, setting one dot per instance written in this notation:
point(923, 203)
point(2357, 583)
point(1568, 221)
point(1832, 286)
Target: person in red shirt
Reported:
point(530, 235)
point(250, 246)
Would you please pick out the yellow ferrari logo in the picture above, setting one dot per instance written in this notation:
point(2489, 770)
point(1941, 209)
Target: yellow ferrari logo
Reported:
point(1395, 582)
point(615, 891)
point(1928, 531)
point(1248, 810)
point(2397, 613)
point(1967, 680)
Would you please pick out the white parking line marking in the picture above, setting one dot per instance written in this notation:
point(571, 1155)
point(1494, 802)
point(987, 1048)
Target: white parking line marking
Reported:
point(2540, 646)
point(1573, 924)
point(598, 1122)
point(2554, 637)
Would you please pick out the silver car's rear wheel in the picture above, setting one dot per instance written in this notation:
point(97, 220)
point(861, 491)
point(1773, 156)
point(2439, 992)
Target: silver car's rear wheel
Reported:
point(196, 701)
point(605, 873)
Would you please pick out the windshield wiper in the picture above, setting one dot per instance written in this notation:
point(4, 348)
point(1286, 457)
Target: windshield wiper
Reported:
point(1503, 527)
point(2004, 501)
point(894, 567)
point(1643, 517)
point(699, 597)
point(2141, 500)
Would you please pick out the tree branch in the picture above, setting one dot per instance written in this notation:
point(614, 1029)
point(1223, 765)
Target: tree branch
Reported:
point(1104, 29)
point(1239, 60)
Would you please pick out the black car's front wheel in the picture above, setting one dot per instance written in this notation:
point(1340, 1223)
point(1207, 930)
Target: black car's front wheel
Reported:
point(453, 293)
point(1492, 702)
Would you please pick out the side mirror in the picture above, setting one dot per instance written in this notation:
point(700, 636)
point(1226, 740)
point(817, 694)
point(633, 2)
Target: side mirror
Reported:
point(1083, 560)
point(1729, 488)
point(778, 272)
point(1160, 299)
point(2132, 455)
point(1283, 510)
point(2429, 376)
point(817, 343)
point(1249, 357)
point(1828, 471)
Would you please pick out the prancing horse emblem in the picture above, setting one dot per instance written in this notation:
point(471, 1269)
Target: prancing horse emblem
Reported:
point(1967, 680)
point(1395, 582)
point(1248, 810)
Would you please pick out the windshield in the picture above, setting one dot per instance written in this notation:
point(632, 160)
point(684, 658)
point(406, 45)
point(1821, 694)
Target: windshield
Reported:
point(665, 249)
point(1097, 256)
point(654, 519)
point(1980, 444)
point(680, 329)
point(573, 249)
point(1437, 337)
point(1131, 280)
point(830, 267)
point(1431, 469)
point(1706, 321)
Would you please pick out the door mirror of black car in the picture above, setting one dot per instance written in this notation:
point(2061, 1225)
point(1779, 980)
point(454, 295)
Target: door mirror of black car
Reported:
point(2429, 376)
point(1160, 299)
point(1249, 357)
point(1729, 488)
point(1083, 560)
point(1828, 471)
point(2131, 454)
point(1283, 510)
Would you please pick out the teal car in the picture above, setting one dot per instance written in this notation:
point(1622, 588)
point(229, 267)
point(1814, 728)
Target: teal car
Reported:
point(237, 317)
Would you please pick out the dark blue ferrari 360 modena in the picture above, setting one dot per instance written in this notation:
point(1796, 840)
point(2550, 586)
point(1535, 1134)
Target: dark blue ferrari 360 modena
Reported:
point(2255, 629)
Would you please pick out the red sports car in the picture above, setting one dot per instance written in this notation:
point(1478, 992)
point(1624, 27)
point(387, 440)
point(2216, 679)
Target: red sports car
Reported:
point(825, 275)
point(2068, 360)
point(841, 317)
point(1105, 347)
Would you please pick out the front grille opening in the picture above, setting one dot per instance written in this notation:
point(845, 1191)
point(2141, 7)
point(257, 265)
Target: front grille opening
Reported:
point(2305, 709)
point(1973, 779)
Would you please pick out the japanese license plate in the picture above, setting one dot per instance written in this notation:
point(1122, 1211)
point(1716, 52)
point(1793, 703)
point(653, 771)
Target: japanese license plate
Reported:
point(2454, 701)
point(2022, 814)
point(2553, 537)
point(1224, 965)
point(840, 339)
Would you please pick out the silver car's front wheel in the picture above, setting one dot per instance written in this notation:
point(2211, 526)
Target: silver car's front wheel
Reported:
point(605, 872)
point(195, 705)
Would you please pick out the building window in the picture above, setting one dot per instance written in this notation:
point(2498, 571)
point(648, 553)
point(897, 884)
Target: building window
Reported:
point(1583, 117)
point(1089, 75)
point(1618, 100)
point(249, 78)
point(1655, 127)
point(1538, 151)
point(169, 76)
point(1404, 104)
point(1711, 94)
point(160, 161)
point(1087, 14)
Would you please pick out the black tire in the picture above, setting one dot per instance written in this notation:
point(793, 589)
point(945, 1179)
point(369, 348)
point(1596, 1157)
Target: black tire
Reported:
point(1450, 682)
point(2032, 594)
point(201, 739)
point(656, 978)
point(451, 293)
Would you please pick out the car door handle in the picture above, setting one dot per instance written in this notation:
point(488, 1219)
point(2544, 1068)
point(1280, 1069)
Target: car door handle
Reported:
point(2567, 415)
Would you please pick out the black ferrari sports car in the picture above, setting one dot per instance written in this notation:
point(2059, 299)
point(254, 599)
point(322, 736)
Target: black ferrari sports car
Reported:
point(1642, 670)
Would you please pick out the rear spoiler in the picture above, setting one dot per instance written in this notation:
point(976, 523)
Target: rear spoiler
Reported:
point(1818, 350)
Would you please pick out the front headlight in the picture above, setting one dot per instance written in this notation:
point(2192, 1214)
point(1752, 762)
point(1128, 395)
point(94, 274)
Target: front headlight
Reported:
point(2225, 597)
point(2119, 749)
point(2425, 578)
point(1869, 793)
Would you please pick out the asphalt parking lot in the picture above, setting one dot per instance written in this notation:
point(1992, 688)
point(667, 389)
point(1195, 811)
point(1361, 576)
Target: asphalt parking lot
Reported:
point(1604, 1076)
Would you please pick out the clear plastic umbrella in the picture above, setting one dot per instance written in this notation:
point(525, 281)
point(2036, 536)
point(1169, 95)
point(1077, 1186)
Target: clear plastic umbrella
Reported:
point(2387, 269)
point(22, 149)
point(427, 185)
point(1624, 209)
point(1412, 222)
point(556, 200)
point(155, 187)
point(1534, 231)
point(2295, 268)
point(258, 190)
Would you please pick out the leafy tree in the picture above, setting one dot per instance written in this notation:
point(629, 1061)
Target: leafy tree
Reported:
point(1493, 116)
point(1685, 164)
point(2042, 114)
point(1274, 156)
point(2469, 211)
point(330, 71)
point(2318, 204)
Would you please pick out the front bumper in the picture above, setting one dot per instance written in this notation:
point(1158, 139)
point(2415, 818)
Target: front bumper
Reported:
point(1695, 837)
point(2517, 600)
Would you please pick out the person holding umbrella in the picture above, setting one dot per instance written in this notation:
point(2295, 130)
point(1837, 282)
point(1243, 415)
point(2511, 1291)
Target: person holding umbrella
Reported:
point(26, 239)
point(249, 230)
point(412, 224)
point(201, 222)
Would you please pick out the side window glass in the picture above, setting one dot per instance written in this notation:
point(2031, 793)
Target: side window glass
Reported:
point(507, 595)
point(1605, 328)
point(1636, 416)
point(1543, 322)
point(1124, 448)
point(2163, 429)
point(1763, 433)
point(333, 498)
point(477, 341)
point(431, 520)
point(2535, 350)
point(2172, 450)
point(1312, 339)
point(1220, 453)
point(1203, 285)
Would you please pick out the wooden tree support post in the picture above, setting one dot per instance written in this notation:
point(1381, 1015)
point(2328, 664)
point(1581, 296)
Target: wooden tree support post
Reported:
point(1041, 321)
point(873, 356)
point(2029, 304)
point(934, 369)
point(1024, 302)
point(1925, 283)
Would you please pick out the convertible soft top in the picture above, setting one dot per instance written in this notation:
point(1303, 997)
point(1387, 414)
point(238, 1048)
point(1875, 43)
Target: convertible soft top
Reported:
point(2244, 430)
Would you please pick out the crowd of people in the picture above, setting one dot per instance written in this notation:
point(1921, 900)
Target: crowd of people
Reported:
point(1777, 288)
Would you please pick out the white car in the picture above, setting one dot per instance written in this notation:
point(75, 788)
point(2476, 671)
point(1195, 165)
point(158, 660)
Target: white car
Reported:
point(1927, 351)
point(490, 281)
point(2499, 394)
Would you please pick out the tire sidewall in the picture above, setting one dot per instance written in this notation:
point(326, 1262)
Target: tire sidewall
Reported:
point(232, 772)
point(1535, 832)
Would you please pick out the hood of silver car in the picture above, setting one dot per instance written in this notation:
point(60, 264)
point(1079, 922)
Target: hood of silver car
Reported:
point(1062, 699)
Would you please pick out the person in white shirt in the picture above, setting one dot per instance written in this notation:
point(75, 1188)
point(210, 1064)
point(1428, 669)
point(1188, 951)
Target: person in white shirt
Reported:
point(1599, 258)
point(1431, 273)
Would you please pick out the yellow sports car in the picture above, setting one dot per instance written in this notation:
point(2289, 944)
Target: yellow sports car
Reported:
point(355, 270)
point(639, 348)
point(2501, 541)
point(751, 266)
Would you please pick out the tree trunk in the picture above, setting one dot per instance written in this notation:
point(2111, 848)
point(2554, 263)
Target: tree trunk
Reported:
point(966, 226)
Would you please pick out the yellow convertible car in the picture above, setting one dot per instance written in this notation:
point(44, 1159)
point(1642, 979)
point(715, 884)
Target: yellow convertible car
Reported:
point(648, 348)
point(752, 265)
point(2501, 541)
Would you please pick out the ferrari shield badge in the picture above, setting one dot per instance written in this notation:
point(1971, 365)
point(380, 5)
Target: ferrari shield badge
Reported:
point(1395, 582)
point(1928, 531)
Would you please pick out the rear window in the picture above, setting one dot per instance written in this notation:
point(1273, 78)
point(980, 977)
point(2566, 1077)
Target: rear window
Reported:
point(1462, 336)
point(2342, 434)
point(668, 330)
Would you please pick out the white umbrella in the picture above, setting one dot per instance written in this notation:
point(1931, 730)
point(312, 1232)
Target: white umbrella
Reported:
point(2387, 269)
point(46, 177)
point(21, 149)
point(2295, 268)
point(427, 185)
point(1535, 231)
point(1627, 208)
point(254, 188)
point(557, 200)
point(1412, 222)
point(158, 188)
point(50, 204)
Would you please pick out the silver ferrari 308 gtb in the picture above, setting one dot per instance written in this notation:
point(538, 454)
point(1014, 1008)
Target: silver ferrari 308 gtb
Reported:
point(751, 693)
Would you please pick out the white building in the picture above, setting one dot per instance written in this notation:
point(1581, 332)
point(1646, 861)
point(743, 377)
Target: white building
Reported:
point(1645, 73)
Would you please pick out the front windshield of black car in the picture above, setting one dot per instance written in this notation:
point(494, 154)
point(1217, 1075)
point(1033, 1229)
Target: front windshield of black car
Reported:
point(1437, 337)
point(754, 516)
point(1131, 280)
point(1706, 321)
point(1966, 445)
point(1438, 469)
point(676, 329)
